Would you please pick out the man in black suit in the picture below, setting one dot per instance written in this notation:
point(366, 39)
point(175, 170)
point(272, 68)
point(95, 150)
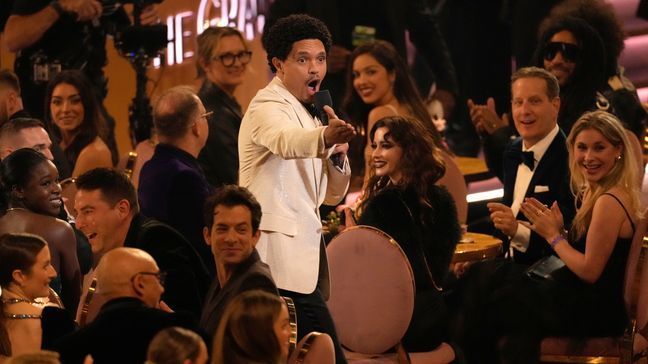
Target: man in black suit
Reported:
point(232, 218)
point(535, 164)
point(132, 283)
point(108, 214)
point(172, 186)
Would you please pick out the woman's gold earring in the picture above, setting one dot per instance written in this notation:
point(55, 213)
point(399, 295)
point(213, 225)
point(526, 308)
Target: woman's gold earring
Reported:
point(618, 157)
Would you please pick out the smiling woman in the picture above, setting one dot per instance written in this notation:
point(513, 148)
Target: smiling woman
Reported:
point(25, 274)
point(74, 117)
point(31, 200)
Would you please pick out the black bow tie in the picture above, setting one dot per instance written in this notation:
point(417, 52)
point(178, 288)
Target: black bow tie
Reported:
point(525, 157)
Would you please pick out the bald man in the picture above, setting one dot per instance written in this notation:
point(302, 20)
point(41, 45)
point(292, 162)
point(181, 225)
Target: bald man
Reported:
point(131, 283)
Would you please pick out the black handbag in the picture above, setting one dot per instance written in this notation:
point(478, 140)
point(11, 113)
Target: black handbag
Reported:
point(544, 268)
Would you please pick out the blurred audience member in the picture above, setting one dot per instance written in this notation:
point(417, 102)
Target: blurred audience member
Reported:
point(401, 199)
point(73, 115)
point(132, 285)
point(25, 133)
point(232, 217)
point(223, 56)
point(255, 329)
point(31, 204)
point(172, 186)
point(11, 105)
point(175, 345)
point(108, 214)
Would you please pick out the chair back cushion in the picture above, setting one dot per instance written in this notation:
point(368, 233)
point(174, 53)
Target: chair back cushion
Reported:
point(372, 289)
point(314, 348)
point(633, 285)
point(455, 182)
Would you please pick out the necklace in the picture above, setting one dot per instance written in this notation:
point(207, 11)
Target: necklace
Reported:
point(22, 316)
point(16, 209)
point(10, 301)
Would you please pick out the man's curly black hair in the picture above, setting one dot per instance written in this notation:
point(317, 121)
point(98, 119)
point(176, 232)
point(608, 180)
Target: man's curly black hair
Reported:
point(279, 40)
point(601, 16)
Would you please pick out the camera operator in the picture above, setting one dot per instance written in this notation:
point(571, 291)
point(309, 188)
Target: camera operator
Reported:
point(51, 36)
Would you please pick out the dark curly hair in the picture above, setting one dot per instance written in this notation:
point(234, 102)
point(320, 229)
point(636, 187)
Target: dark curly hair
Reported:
point(279, 40)
point(579, 94)
point(602, 17)
point(421, 163)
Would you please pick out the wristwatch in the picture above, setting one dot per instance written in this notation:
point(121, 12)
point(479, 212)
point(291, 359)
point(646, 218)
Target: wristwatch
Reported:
point(57, 6)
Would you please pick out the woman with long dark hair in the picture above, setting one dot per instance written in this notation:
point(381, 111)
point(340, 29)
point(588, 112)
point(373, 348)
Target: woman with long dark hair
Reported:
point(73, 115)
point(402, 199)
point(30, 203)
point(379, 85)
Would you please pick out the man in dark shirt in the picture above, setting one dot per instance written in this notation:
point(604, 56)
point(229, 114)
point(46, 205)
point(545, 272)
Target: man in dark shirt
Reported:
point(172, 186)
point(132, 284)
point(232, 218)
point(108, 213)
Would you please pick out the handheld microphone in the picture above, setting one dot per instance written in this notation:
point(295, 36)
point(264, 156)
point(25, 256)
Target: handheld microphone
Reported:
point(323, 98)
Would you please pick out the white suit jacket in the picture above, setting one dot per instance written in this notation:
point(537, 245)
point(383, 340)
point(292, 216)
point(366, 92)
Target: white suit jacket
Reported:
point(284, 163)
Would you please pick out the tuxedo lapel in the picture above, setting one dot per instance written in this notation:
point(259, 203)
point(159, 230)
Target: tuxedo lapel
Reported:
point(546, 163)
point(510, 170)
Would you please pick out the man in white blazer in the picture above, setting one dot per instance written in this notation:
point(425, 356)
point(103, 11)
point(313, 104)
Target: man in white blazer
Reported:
point(284, 155)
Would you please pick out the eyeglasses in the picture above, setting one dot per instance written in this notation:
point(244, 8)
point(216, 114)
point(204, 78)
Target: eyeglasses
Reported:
point(206, 115)
point(161, 276)
point(228, 59)
point(570, 52)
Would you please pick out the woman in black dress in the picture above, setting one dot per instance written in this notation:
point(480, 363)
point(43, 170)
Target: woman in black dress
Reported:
point(402, 199)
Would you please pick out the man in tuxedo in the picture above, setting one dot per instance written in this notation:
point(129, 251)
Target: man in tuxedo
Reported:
point(535, 164)
point(285, 161)
point(232, 218)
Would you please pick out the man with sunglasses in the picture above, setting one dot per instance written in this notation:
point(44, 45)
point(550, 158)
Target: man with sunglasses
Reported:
point(572, 51)
point(172, 186)
point(132, 284)
point(222, 60)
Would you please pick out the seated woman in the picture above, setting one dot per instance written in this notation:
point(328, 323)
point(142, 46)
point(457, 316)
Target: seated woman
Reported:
point(176, 345)
point(379, 85)
point(30, 201)
point(74, 118)
point(246, 330)
point(223, 56)
point(585, 296)
point(401, 199)
point(25, 273)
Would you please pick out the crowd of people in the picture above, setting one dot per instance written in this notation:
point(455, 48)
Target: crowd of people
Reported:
point(200, 255)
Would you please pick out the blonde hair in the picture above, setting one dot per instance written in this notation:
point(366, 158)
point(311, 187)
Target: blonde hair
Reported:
point(623, 173)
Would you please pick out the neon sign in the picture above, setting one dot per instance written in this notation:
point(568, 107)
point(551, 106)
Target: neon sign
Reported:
point(244, 15)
